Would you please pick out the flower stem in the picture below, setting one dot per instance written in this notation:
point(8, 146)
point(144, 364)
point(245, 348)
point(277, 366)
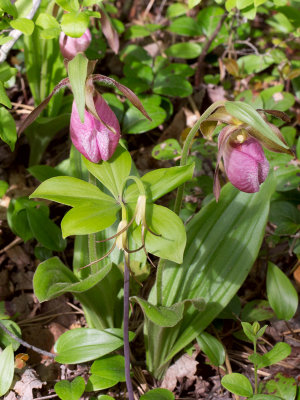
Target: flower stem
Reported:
point(159, 282)
point(255, 371)
point(92, 239)
point(126, 329)
point(187, 145)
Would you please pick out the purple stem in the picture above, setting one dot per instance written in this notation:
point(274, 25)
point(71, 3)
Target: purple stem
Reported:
point(126, 331)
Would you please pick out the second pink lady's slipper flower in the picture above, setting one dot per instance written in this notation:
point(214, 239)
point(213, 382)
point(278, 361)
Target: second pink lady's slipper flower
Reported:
point(245, 163)
point(95, 139)
point(70, 46)
point(240, 144)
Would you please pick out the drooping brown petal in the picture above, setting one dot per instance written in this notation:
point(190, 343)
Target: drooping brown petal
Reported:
point(278, 114)
point(109, 32)
point(127, 92)
point(36, 112)
point(90, 93)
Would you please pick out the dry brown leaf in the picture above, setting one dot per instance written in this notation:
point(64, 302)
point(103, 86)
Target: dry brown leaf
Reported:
point(19, 257)
point(184, 367)
point(29, 381)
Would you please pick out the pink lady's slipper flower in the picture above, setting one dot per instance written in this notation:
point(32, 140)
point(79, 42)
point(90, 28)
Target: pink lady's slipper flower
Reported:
point(240, 144)
point(245, 163)
point(95, 139)
point(69, 46)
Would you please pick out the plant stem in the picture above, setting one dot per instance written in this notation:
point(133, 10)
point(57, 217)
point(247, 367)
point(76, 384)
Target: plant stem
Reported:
point(186, 147)
point(126, 329)
point(92, 238)
point(255, 371)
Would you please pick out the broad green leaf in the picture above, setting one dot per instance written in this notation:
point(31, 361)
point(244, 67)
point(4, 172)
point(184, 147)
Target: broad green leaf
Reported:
point(184, 50)
point(23, 24)
point(3, 97)
point(137, 31)
point(158, 394)
point(281, 293)
point(70, 191)
point(285, 216)
point(218, 238)
point(261, 130)
point(278, 353)
point(8, 7)
point(51, 28)
point(162, 316)
point(44, 172)
point(193, 3)
point(112, 173)
point(248, 330)
point(167, 150)
point(6, 71)
point(6, 369)
point(134, 52)
point(96, 382)
point(74, 24)
point(3, 188)
point(283, 386)
point(110, 367)
point(84, 344)
point(70, 390)
point(77, 71)
point(212, 348)
point(237, 384)
point(176, 10)
point(5, 39)
point(186, 26)
point(8, 132)
point(208, 19)
point(138, 70)
point(68, 5)
point(171, 85)
point(160, 182)
point(135, 122)
point(241, 4)
point(254, 63)
point(52, 279)
point(257, 310)
point(90, 217)
point(171, 242)
point(5, 339)
point(44, 230)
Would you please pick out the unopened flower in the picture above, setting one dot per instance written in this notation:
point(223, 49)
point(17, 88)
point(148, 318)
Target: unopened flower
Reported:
point(245, 163)
point(95, 139)
point(69, 46)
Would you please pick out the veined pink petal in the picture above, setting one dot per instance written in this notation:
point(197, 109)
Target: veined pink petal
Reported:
point(92, 138)
point(245, 164)
point(69, 46)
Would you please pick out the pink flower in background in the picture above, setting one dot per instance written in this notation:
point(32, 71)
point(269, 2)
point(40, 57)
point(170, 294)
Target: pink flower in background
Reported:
point(245, 163)
point(93, 138)
point(69, 46)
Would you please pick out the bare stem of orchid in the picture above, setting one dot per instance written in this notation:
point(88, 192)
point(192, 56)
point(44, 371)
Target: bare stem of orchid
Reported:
point(126, 328)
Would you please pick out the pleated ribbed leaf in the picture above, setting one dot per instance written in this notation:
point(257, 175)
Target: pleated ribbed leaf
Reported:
point(223, 241)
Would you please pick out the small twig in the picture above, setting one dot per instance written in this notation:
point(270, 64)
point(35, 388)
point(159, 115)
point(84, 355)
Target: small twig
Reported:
point(25, 344)
point(126, 330)
point(148, 8)
point(16, 241)
point(15, 34)
point(200, 66)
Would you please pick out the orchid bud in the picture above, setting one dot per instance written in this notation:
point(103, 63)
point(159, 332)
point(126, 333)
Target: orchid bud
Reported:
point(140, 209)
point(245, 163)
point(96, 140)
point(122, 238)
point(69, 46)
